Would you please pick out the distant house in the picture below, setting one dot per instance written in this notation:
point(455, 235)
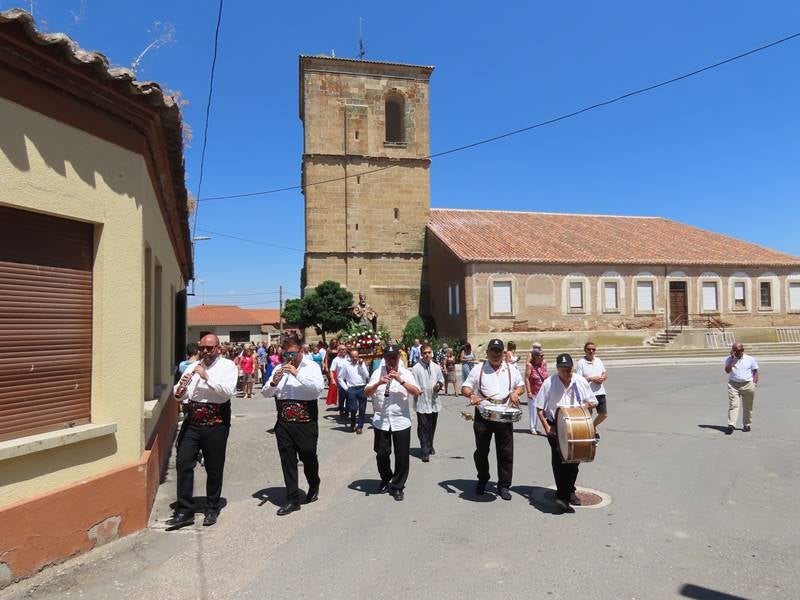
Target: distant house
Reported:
point(232, 323)
point(94, 259)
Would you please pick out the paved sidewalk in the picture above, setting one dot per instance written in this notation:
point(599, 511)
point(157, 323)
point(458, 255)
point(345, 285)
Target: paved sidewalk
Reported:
point(694, 513)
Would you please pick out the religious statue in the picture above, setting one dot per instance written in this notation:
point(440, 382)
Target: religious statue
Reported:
point(364, 314)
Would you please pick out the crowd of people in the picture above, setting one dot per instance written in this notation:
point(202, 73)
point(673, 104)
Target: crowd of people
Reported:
point(296, 374)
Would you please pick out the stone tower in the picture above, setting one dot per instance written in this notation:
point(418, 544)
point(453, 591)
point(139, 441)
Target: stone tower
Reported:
point(366, 136)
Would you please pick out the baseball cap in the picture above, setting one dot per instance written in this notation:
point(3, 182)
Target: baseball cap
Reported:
point(495, 344)
point(391, 350)
point(563, 360)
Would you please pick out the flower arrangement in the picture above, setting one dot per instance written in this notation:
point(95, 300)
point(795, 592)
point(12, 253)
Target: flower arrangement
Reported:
point(364, 339)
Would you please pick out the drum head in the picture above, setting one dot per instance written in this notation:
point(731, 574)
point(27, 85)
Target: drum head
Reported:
point(563, 430)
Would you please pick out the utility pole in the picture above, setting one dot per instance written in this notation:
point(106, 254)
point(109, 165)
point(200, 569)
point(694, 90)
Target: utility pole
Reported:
point(280, 313)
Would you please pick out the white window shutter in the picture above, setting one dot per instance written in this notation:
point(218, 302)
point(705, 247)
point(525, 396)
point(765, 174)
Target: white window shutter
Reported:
point(576, 294)
point(710, 296)
point(501, 297)
point(458, 300)
point(610, 295)
point(644, 295)
point(794, 296)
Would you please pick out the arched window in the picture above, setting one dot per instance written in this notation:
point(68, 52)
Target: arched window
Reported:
point(395, 108)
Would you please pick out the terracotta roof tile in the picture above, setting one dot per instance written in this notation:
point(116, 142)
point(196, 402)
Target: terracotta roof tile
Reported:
point(530, 237)
point(265, 315)
point(220, 314)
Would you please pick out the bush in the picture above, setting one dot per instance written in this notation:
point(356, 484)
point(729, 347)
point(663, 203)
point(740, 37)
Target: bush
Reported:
point(414, 329)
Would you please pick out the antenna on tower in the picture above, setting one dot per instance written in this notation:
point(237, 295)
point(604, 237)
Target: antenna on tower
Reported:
point(362, 49)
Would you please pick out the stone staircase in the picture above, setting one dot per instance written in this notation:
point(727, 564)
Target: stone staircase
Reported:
point(663, 338)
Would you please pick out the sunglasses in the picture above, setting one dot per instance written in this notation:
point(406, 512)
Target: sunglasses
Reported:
point(591, 349)
point(209, 348)
point(290, 355)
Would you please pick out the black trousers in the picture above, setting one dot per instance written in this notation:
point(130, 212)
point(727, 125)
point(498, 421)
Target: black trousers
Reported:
point(426, 429)
point(342, 400)
point(297, 440)
point(383, 449)
point(356, 405)
point(565, 474)
point(213, 441)
point(503, 445)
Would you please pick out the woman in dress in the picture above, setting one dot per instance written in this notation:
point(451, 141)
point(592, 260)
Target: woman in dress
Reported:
point(511, 354)
point(450, 371)
point(247, 364)
point(467, 360)
point(535, 374)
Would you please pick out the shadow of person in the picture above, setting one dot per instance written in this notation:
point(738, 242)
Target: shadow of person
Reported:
point(368, 487)
point(541, 498)
point(274, 495)
point(720, 428)
point(703, 593)
point(465, 488)
point(200, 504)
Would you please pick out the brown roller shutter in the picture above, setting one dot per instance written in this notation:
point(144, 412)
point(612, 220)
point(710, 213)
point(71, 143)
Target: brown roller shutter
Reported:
point(45, 322)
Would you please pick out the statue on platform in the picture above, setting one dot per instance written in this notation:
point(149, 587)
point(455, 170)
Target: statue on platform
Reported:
point(364, 314)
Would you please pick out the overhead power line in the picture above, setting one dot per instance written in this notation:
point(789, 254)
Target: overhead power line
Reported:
point(260, 243)
point(508, 134)
point(208, 113)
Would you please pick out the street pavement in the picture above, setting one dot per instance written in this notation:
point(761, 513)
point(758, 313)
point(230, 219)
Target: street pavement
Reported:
point(694, 513)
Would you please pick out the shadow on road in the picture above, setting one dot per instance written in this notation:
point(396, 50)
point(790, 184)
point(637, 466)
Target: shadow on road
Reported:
point(720, 428)
point(465, 488)
point(703, 593)
point(274, 495)
point(200, 504)
point(542, 499)
point(368, 487)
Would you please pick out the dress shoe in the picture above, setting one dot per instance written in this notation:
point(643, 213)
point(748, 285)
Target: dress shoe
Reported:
point(383, 487)
point(565, 508)
point(504, 493)
point(359, 430)
point(433, 451)
point(426, 458)
point(210, 518)
point(574, 500)
point(180, 519)
point(480, 488)
point(288, 508)
point(398, 495)
point(729, 430)
point(746, 428)
point(312, 495)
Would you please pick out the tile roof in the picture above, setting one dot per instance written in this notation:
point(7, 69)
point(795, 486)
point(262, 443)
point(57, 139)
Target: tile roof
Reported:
point(20, 25)
point(532, 237)
point(265, 315)
point(364, 60)
point(222, 314)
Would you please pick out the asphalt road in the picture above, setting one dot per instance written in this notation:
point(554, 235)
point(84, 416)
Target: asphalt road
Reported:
point(694, 513)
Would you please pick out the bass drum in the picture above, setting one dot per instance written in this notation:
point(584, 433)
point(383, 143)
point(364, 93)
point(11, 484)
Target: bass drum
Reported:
point(576, 436)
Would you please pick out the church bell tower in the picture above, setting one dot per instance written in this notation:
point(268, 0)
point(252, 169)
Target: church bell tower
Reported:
point(366, 180)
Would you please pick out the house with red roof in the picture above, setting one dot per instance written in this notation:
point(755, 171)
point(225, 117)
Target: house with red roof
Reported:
point(232, 323)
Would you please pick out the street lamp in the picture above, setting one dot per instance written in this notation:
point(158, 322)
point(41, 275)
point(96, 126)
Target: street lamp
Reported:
point(202, 283)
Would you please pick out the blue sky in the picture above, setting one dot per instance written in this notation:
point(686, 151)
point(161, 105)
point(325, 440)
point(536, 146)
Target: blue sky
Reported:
point(720, 151)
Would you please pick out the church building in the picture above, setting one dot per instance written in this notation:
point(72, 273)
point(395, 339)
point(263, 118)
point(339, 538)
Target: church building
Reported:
point(369, 226)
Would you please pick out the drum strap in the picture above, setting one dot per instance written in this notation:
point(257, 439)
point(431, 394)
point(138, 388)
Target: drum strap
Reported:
point(480, 383)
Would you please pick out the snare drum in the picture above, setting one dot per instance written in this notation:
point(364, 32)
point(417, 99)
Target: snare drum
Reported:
point(500, 413)
point(576, 436)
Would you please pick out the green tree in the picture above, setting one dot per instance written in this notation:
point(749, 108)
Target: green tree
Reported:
point(414, 329)
point(326, 308)
point(293, 313)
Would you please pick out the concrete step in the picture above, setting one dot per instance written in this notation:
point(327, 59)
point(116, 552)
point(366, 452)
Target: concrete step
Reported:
point(633, 352)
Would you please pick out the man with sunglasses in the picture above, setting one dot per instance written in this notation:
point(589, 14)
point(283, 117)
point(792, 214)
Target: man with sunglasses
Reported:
point(390, 386)
point(742, 370)
point(592, 369)
point(296, 386)
point(430, 378)
point(208, 385)
point(493, 381)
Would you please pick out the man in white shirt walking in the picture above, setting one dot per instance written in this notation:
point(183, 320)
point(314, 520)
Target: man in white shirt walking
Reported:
point(493, 381)
point(742, 372)
point(338, 363)
point(353, 377)
point(208, 385)
point(591, 368)
point(296, 385)
point(562, 389)
point(430, 379)
point(389, 387)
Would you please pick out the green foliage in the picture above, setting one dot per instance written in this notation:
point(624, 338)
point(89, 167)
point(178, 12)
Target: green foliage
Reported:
point(414, 329)
point(326, 309)
point(454, 343)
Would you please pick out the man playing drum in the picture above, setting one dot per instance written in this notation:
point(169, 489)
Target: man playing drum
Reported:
point(562, 389)
point(493, 381)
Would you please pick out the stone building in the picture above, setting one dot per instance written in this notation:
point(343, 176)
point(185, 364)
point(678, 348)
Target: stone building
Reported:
point(486, 273)
point(366, 232)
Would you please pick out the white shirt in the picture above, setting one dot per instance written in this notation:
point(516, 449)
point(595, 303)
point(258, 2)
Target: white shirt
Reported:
point(323, 353)
point(594, 368)
point(742, 371)
point(306, 386)
point(427, 377)
point(554, 393)
point(392, 412)
point(221, 384)
point(493, 386)
point(336, 365)
point(352, 374)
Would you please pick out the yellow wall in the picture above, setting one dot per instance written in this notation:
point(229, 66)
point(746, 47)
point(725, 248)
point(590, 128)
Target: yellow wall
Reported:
point(49, 167)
